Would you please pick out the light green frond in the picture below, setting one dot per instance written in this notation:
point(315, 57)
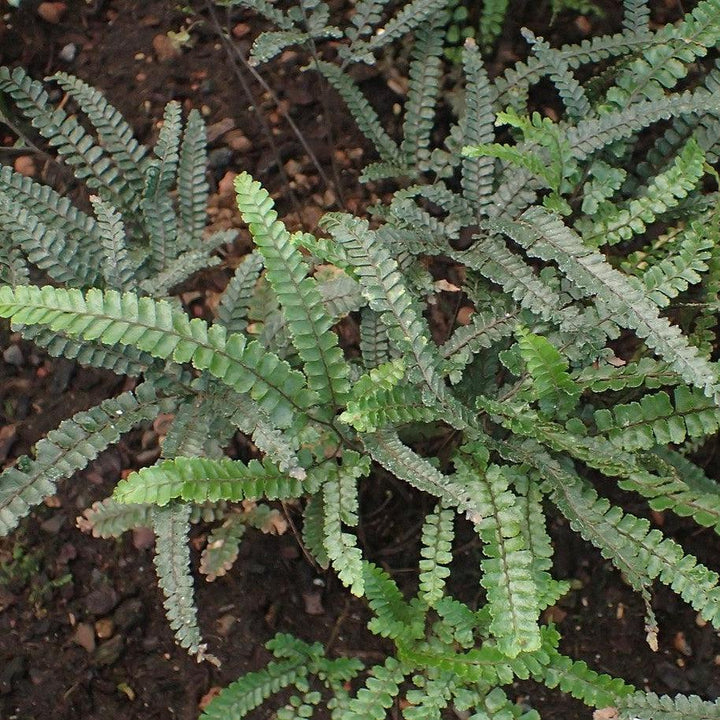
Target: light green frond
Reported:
point(172, 564)
point(552, 385)
point(272, 42)
point(235, 301)
point(436, 554)
point(157, 328)
point(545, 236)
point(310, 327)
point(645, 372)
point(340, 506)
point(72, 446)
point(114, 133)
point(117, 269)
point(649, 706)
point(492, 18)
point(378, 694)
point(192, 186)
point(199, 480)
point(108, 518)
point(508, 578)
point(223, 545)
point(656, 420)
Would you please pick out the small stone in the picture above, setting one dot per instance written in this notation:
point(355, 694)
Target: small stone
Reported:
point(53, 524)
point(681, 644)
point(143, 538)
point(165, 49)
point(25, 165)
point(240, 30)
point(128, 614)
point(101, 601)
point(68, 52)
point(109, 652)
point(224, 624)
point(219, 158)
point(52, 12)
point(85, 636)
point(237, 140)
point(104, 628)
point(313, 603)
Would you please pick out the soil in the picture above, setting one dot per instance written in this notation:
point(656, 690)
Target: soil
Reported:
point(82, 628)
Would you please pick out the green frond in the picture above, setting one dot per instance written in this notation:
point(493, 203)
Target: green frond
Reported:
point(13, 266)
point(492, 18)
point(577, 679)
point(72, 446)
point(313, 531)
point(645, 372)
point(636, 16)
point(485, 330)
point(409, 17)
point(378, 694)
point(123, 360)
point(362, 112)
point(435, 551)
point(178, 270)
point(425, 77)
point(508, 579)
point(158, 213)
point(640, 553)
point(51, 250)
point(374, 341)
point(89, 161)
point(272, 42)
point(366, 16)
point(340, 293)
point(656, 420)
point(429, 698)
point(200, 479)
point(223, 546)
point(252, 689)
point(552, 385)
point(310, 327)
point(267, 9)
point(462, 621)
point(649, 706)
point(192, 186)
point(235, 301)
point(383, 286)
point(394, 616)
point(477, 126)
point(547, 237)
point(54, 212)
point(117, 269)
point(108, 518)
point(114, 133)
point(159, 329)
point(172, 564)
point(340, 505)
point(664, 192)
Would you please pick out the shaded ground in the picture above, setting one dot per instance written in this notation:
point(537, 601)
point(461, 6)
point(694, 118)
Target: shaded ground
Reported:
point(82, 631)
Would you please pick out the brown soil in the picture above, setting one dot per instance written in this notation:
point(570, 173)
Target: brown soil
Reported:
point(82, 629)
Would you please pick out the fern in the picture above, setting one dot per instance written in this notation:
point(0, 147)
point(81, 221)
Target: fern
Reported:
point(191, 183)
point(111, 519)
point(235, 301)
point(437, 538)
point(649, 706)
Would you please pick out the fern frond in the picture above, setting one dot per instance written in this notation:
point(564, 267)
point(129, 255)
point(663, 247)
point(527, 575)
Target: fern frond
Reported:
point(108, 518)
point(385, 290)
point(492, 18)
point(424, 84)
point(545, 236)
point(477, 126)
point(366, 16)
point(192, 186)
point(157, 207)
point(512, 595)
point(664, 192)
point(649, 706)
point(382, 686)
point(172, 564)
point(374, 341)
point(162, 331)
point(180, 269)
point(636, 16)
point(484, 331)
point(645, 372)
point(410, 16)
point(76, 147)
point(222, 547)
point(117, 269)
point(72, 446)
point(13, 266)
point(51, 250)
point(340, 505)
point(341, 293)
point(437, 537)
point(200, 480)
point(362, 112)
point(313, 531)
point(309, 325)
point(235, 300)
point(114, 133)
point(272, 42)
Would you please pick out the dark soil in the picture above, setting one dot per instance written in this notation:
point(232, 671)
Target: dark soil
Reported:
point(82, 629)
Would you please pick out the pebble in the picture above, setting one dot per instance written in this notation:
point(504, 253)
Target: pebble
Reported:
point(68, 52)
point(25, 165)
point(85, 636)
point(52, 12)
point(110, 651)
point(165, 49)
point(101, 601)
point(104, 628)
point(128, 614)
